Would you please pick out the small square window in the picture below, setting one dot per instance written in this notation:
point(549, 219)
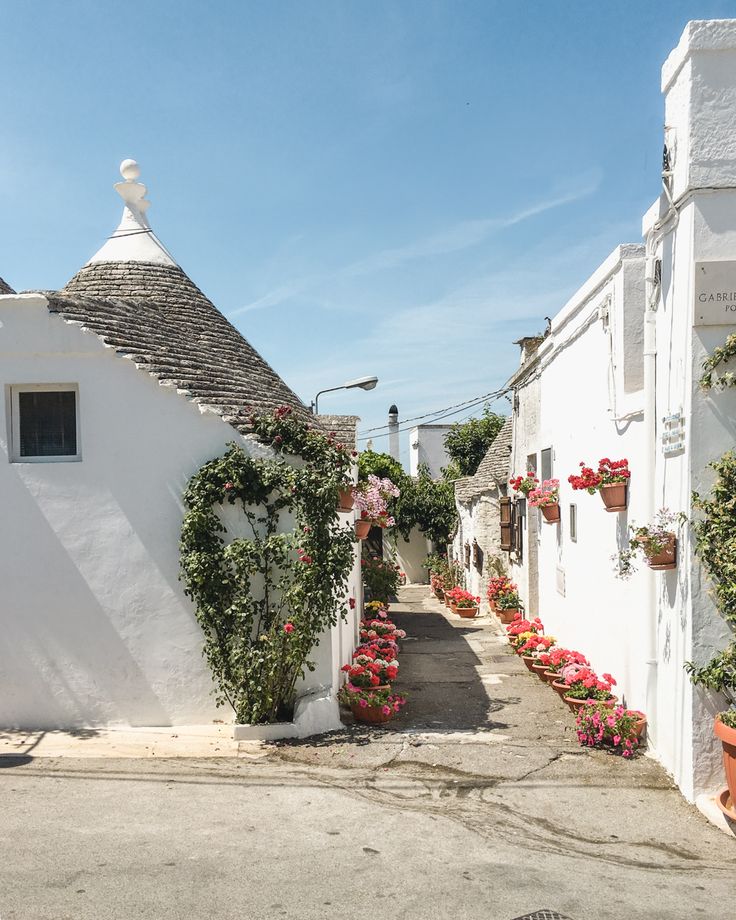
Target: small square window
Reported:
point(45, 423)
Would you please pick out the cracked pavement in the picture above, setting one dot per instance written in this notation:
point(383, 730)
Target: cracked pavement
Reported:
point(476, 802)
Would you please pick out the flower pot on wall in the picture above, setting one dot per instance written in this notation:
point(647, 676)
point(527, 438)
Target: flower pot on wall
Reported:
point(614, 496)
point(467, 613)
point(346, 499)
point(362, 529)
point(667, 559)
point(551, 513)
point(507, 616)
point(727, 738)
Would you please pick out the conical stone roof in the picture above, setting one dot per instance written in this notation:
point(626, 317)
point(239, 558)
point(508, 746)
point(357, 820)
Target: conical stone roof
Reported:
point(5, 288)
point(154, 314)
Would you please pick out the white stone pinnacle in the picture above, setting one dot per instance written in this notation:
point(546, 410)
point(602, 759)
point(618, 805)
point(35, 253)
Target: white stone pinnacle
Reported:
point(133, 240)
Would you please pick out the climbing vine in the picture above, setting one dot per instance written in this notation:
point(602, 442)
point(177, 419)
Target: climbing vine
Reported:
point(715, 544)
point(720, 355)
point(264, 598)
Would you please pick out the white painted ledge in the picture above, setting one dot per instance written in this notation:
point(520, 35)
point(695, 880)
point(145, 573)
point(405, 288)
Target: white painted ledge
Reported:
point(708, 806)
point(315, 713)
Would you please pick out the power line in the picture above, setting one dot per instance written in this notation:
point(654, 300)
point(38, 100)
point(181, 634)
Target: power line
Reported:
point(466, 404)
point(445, 413)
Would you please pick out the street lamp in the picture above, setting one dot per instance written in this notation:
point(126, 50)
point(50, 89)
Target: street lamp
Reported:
point(363, 383)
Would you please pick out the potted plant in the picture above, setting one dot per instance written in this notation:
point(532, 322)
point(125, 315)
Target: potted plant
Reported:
point(496, 587)
point(508, 605)
point(380, 629)
point(519, 630)
point(582, 683)
point(466, 604)
point(371, 500)
point(615, 727)
point(532, 648)
point(656, 541)
point(345, 496)
point(369, 671)
point(546, 497)
point(524, 484)
point(611, 480)
point(555, 659)
point(380, 577)
point(725, 731)
point(369, 705)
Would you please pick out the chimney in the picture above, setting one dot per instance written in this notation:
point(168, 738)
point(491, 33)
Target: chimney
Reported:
point(393, 432)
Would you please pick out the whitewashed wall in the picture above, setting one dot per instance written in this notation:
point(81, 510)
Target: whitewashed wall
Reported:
point(591, 403)
point(479, 520)
point(409, 555)
point(427, 447)
point(94, 626)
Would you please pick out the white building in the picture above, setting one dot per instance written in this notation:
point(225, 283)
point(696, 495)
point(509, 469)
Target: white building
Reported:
point(477, 541)
point(117, 389)
point(617, 376)
point(427, 448)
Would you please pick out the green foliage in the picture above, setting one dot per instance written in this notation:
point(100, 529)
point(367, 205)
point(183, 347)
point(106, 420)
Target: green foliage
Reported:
point(468, 442)
point(380, 578)
point(715, 544)
point(720, 355)
point(728, 718)
point(424, 502)
point(247, 590)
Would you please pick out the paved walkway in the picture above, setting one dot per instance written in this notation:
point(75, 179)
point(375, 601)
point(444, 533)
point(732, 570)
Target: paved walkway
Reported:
point(477, 803)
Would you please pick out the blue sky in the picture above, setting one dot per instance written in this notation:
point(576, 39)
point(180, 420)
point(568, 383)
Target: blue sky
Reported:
point(399, 188)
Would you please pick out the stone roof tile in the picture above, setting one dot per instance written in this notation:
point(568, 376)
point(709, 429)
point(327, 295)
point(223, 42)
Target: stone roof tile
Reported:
point(156, 316)
point(5, 288)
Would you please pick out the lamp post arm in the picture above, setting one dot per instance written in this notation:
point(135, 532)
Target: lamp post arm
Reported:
point(316, 398)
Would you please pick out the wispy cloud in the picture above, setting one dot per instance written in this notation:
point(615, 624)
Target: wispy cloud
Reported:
point(456, 238)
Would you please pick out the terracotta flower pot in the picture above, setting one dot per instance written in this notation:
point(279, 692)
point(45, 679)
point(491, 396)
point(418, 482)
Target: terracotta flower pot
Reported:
point(362, 529)
point(561, 687)
point(727, 737)
point(467, 613)
point(529, 661)
point(371, 715)
point(577, 704)
point(640, 726)
point(551, 676)
point(492, 605)
point(614, 496)
point(507, 616)
point(667, 559)
point(539, 669)
point(551, 513)
point(453, 607)
point(346, 499)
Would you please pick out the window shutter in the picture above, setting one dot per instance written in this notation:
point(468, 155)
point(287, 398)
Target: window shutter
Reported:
point(517, 531)
point(506, 524)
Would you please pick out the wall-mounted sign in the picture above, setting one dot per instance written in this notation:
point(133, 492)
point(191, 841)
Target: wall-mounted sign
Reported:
point(715, 294)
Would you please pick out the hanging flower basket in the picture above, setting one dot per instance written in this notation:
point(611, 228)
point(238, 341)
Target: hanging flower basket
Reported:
point(551, 513)
point(610, 479)
point(362, 529)
point(614, 496)
point(346, 498)
point(666, 558)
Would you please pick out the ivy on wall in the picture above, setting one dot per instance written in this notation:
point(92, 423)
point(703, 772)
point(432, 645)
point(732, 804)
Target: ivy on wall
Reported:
point(715, 544)
point(264, 599)
point(720, 356)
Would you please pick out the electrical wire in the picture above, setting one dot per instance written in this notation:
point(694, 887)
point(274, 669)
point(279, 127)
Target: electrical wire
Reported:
point(436, 418)
point(466, 404)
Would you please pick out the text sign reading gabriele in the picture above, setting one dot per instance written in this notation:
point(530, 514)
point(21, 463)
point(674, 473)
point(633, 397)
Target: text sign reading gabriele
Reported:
point(715, 294)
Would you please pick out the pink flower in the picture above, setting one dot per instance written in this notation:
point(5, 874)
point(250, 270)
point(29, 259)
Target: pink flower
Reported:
point(386, 710)
point(363, 703)
point(288, 628)
point(228, 486)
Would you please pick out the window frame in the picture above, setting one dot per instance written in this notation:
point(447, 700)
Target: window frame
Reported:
point(13, 391)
